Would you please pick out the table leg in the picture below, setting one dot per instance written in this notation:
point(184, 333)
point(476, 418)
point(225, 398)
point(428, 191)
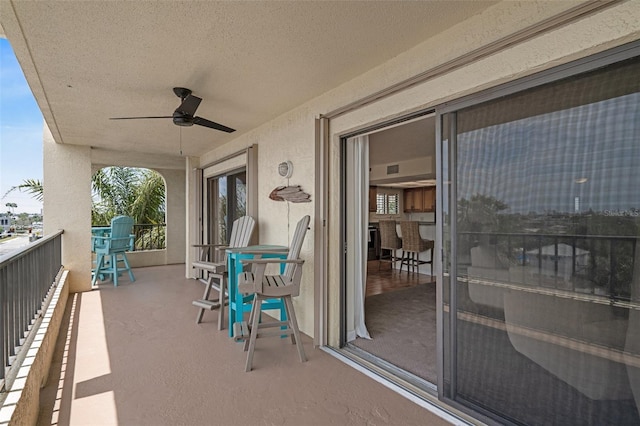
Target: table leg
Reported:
point(232, 286)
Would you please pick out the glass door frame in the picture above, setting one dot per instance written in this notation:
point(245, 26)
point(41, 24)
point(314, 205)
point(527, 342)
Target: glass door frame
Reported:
point(395, 375)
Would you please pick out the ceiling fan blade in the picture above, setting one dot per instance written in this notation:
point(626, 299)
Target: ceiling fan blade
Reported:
point(189, 105)
point(212, 124)
point(139, 118)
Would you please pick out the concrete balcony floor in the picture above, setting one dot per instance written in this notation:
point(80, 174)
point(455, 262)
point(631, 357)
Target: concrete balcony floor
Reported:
point(133, 355)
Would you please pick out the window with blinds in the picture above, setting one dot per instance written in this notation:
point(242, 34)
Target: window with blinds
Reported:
point(387, 203)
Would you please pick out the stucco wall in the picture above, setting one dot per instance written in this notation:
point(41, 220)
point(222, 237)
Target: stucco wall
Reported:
point(175, 214)
point(67, 205)
point(291, 136)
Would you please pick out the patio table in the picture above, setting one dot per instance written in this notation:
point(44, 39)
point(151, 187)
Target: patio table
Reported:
point(100, 231)
point(238, 304)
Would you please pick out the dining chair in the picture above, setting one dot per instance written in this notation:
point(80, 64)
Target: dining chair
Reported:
point(389, 242)
point(264, 286)
point(213, 261)
point(111, 250)
point(413, 244)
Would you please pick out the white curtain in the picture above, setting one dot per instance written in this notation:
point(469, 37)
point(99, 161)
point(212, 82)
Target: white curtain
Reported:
point(360, 168)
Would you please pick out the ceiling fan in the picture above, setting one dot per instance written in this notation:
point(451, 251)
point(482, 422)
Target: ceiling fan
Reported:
point(184, 114)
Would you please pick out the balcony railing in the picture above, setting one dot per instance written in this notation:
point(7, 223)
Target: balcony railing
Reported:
point(149, 236)
point(26, 279)
point(598, 264)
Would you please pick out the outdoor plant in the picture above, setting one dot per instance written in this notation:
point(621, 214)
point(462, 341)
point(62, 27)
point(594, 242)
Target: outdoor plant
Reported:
point(139, 193)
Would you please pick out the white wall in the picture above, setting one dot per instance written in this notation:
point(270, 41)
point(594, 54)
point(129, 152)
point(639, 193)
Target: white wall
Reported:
point(406, 169)
point(67, 205)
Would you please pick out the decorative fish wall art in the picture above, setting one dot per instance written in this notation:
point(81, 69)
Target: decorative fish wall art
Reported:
point(293, 194)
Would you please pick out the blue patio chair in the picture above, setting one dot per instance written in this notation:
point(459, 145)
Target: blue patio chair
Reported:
point(110, 250)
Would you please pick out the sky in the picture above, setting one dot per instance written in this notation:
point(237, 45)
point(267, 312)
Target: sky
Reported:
point(559, 158)
point(21, 126)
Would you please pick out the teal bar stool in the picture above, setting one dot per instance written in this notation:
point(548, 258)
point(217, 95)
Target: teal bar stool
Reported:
point(111, 250)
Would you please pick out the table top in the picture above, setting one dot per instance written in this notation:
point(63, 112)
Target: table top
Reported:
point(261, 248)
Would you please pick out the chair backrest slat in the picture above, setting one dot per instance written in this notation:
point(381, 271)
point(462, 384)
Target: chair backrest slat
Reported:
point(296, 244)
point(241, 231)
point(121, 230)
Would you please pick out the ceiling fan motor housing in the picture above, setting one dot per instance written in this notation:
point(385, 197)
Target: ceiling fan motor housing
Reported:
point(181, 119)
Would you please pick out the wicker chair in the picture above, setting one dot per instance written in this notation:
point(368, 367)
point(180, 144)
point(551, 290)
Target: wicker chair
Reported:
point(389, 242)
point(412, 245)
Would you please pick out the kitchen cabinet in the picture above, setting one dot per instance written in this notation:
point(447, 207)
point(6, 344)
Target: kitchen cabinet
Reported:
point(412, 200)
point(429, 199)
point(420, 200)
point(373, 192)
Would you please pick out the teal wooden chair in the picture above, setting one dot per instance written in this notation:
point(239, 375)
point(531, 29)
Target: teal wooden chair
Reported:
point(111, 250)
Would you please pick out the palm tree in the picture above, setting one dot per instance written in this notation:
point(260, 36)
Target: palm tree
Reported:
point(12, 207)
point(134, 192)
point(138, 193)
point(32, 186)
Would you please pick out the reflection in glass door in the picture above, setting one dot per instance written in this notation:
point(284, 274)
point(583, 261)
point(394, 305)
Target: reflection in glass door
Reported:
point(542, 261)
point(227, 196)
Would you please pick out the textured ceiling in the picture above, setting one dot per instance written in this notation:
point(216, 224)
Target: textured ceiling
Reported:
point(87, 61)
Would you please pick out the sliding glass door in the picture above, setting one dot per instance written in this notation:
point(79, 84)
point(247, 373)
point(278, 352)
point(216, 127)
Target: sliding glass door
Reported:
point(541, 258)
point(227, 195)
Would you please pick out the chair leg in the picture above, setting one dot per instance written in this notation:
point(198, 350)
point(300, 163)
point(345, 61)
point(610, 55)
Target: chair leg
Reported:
point(293, 323)
point(252, 313)
point(205, 296)
point(221, 299)
point(404, 261)
point(126, 263)
point(254, 332)
point(114, 269)
point(287, 311)
point(99, 265)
